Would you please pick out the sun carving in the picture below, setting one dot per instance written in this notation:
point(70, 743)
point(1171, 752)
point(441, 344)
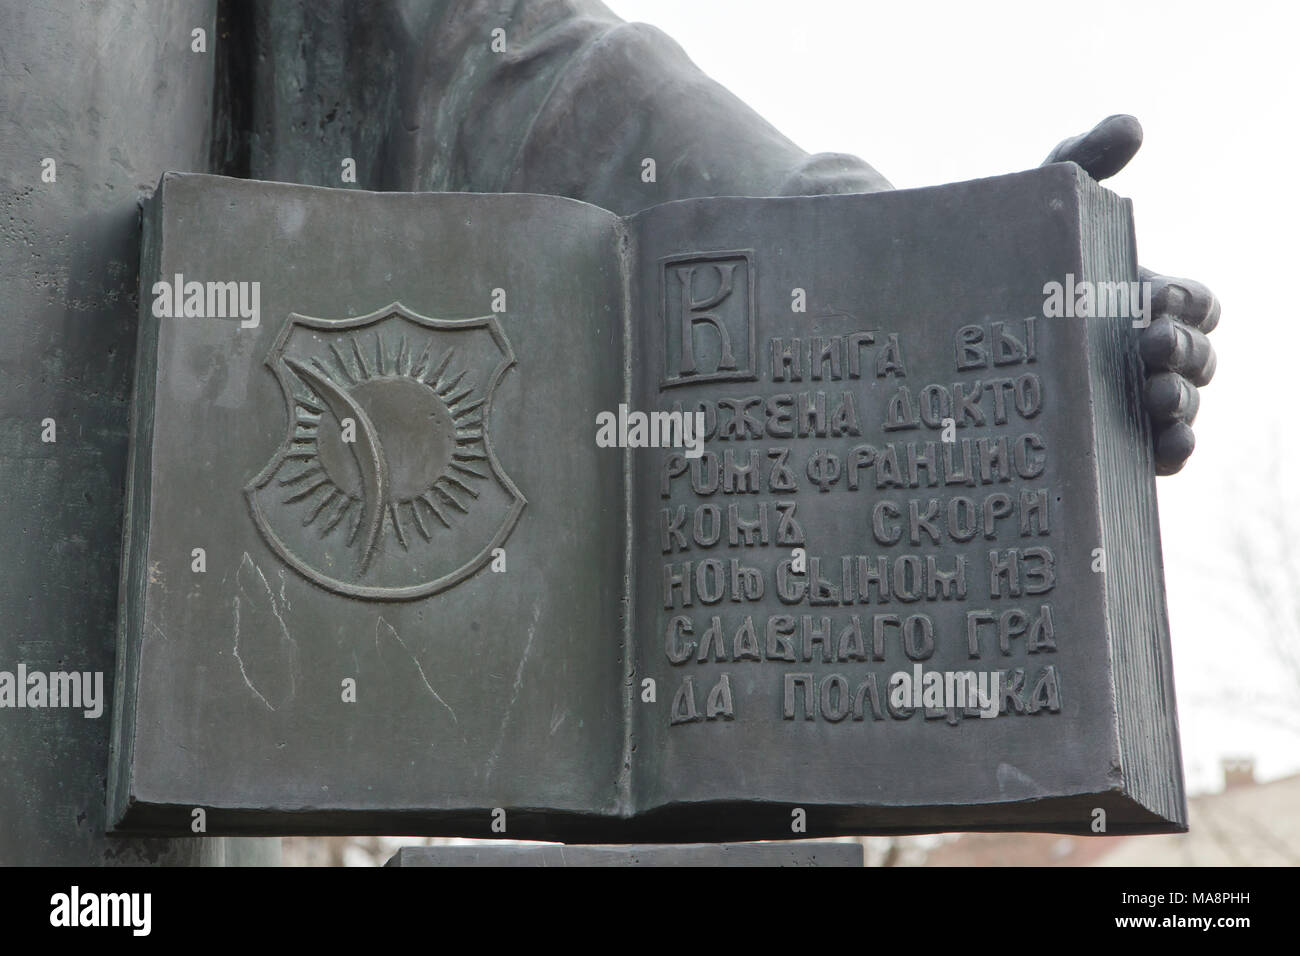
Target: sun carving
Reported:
point(386, 484)
point(382, 476)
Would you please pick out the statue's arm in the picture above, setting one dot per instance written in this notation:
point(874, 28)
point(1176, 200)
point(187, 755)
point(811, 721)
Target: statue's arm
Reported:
point(579, 101)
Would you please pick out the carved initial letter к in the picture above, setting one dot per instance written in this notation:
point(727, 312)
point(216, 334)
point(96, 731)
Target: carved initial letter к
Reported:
point(693, 312)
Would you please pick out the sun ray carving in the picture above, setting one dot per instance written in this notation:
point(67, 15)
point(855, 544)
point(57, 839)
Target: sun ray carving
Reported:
point(387, 443)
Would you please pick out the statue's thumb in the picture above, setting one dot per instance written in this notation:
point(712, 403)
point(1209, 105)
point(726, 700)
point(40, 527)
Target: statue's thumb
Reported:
point(1104, 150)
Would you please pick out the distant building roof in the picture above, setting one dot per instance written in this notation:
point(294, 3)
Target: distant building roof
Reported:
point(1247, 824)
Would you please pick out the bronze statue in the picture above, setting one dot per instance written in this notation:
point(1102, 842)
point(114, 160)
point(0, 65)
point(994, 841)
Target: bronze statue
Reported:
point(549, 96)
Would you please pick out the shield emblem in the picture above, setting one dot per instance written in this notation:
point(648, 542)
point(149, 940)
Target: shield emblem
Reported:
point(386, 485)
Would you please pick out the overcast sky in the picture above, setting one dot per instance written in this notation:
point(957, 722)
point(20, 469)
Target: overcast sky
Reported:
point(945, 91)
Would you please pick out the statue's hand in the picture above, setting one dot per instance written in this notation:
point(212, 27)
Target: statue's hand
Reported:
point(1177, 355)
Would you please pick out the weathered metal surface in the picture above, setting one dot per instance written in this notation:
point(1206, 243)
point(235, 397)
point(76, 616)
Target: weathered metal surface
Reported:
point(372, 670)
point(82, 93)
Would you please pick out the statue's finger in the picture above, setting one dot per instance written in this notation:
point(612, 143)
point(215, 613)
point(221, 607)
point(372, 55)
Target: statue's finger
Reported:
point(1104, 150)
point(1171, 398)
point(1187, 301)
point(1169, 346)
point(1174, 445)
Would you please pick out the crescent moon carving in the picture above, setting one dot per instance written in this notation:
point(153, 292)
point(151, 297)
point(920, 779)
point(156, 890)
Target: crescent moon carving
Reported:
point(366, 450)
